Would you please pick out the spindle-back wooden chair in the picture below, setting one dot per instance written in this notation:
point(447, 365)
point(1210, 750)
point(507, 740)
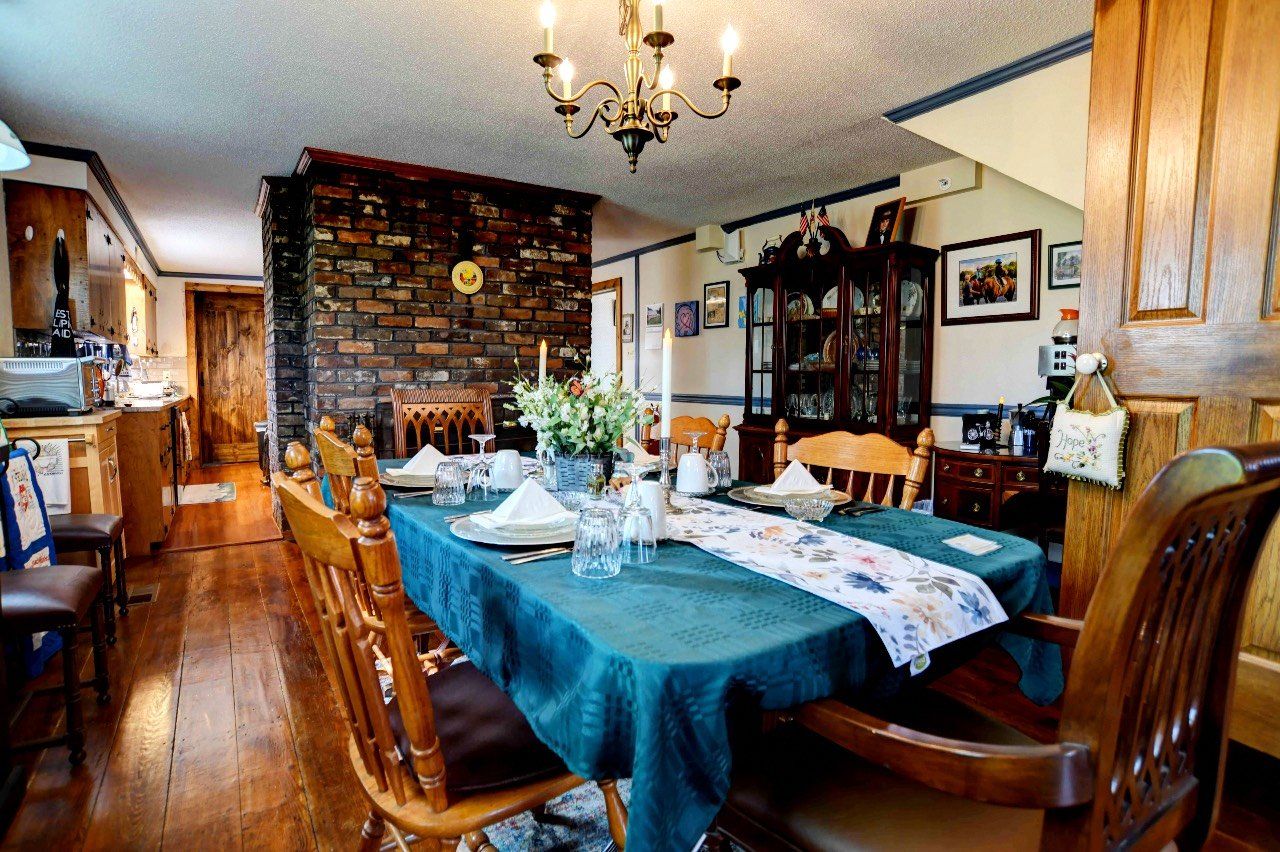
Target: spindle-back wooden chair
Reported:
point(872, 455)
point(712, 435)
point(343, 462)
point(1143, 737)
point(400, 750)
point(444, 417)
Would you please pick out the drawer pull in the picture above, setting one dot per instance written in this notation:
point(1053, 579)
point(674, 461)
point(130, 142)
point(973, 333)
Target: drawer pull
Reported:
point(978, 473)
point(946, 468)
point(1021, 476)
point(976, 508)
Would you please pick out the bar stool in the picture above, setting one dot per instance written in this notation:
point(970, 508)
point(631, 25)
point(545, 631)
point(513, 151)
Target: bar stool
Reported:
point(104, 534)
point(58, 598)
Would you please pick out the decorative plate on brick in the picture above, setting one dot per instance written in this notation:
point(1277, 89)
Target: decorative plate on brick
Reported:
point(468, 278)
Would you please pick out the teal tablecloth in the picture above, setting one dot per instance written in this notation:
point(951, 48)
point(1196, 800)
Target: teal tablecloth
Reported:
point(633, 676)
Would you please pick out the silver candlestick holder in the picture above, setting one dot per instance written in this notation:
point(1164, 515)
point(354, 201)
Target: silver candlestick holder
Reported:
point(664, 475)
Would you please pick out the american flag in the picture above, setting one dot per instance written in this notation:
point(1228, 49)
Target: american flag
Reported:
point(804, 221)
point(823, 219)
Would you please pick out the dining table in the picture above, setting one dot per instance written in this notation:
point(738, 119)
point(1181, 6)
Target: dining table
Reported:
point(636, 676)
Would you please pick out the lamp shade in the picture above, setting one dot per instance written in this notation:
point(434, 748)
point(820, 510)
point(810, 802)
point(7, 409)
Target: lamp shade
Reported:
point(12, 155)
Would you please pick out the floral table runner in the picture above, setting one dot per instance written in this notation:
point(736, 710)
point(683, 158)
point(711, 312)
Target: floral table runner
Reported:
point(914, 604)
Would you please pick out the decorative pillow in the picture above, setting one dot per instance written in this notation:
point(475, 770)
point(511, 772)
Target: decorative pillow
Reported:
point(1087, 446)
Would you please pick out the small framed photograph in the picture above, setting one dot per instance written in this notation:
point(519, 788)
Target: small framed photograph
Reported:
point(628, 328)
point(1064, 265)
point(715, 305)
point(653, 318)
point(686, 319)
point(742, 312)
point(995, 279)
point(886, 221)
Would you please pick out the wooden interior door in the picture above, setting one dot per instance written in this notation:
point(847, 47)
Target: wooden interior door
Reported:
point(1182, 213)
point(231, 374)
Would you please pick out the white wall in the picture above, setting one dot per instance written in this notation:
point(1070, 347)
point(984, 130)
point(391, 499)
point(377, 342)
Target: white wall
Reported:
point(973, 365)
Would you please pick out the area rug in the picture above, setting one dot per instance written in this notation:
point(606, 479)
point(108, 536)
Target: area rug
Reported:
point(215, 492)
point(588, 830)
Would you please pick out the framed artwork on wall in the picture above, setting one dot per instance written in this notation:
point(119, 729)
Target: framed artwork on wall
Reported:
point(1064, 265)
point(686, 319)
point(994, 279)
point(715, 305)
point(653, 318)
point(742, 312)
point(628, 328)
point(885, 221)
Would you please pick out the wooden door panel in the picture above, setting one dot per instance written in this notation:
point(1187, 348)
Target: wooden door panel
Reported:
point(231, 338)
point(1182, 232)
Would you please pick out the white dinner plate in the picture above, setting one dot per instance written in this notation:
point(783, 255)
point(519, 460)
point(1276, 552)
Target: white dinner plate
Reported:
point(465, 528)
point(407, 480)
point(753, 496)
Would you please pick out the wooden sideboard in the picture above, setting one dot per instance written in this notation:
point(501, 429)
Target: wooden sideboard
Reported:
point(971, 487)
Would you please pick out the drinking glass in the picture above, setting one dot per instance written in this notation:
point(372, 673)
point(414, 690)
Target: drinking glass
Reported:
point(595, 546)
point(639, 545)
point(720, 469)
point(547, 460)
point(449, 487)
point(480, 482)
point(596, 482)
point(694, 437)
point(634, 472)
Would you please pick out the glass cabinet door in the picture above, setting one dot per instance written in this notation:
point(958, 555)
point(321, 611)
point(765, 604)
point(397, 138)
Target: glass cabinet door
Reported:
point(865, 344)
point(760, 342)
point(812, 344)
point(911, 312)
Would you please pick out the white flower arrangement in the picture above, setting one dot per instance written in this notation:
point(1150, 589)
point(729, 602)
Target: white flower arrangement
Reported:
point(584, 414)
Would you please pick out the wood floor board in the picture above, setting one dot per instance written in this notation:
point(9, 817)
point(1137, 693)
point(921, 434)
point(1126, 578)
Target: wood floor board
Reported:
point(248, 518)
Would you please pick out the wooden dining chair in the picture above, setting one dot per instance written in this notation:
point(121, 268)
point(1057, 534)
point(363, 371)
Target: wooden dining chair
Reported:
point(444, 417)
point(872, 456)
point(712, 434)
point(343, 463)
point(1142, 743)
point(449, 754)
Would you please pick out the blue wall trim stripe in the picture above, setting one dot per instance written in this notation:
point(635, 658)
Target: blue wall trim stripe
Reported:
point(790, 209)
point(1052, 55)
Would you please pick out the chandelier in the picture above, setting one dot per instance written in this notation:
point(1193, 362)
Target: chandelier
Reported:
point(629, 116)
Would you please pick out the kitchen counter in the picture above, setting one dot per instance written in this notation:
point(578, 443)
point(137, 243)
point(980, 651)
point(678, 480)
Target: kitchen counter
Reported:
point(162, 404)
point(97, 417)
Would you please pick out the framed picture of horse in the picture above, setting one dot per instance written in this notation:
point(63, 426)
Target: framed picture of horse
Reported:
point(995, 279)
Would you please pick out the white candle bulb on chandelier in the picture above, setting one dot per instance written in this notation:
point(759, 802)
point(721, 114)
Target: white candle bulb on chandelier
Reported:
point(567, 71)
point(547, 17)
point(666, 80)
point(729, 43)
point(657, 15)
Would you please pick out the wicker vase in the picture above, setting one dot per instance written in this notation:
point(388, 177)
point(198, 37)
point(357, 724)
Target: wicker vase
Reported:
point(574, 472)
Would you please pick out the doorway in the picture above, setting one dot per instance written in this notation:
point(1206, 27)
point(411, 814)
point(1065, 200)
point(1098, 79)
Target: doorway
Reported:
point(606, 325)
point(226, 368)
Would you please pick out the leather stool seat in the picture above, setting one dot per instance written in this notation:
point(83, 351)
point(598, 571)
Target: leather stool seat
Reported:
point(48, 598)
point(85, 531)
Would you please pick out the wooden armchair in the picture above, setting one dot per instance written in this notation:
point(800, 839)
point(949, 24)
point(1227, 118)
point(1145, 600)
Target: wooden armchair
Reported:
point(450, 754)
point(871, 455)
point(1143, 737)
point(444, 417)
point(712, 438)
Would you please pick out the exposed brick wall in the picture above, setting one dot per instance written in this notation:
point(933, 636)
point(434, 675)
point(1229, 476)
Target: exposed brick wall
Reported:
point(378, 308)
point(283, 286)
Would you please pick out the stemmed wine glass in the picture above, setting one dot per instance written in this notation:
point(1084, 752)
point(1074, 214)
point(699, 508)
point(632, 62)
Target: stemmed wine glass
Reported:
point(694, 437)
point(480, 473)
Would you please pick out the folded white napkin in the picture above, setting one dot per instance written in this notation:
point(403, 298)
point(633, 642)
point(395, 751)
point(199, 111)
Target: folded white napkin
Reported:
point(422, 464)
point(796, 479)
point(528, 506)
point(972, 544)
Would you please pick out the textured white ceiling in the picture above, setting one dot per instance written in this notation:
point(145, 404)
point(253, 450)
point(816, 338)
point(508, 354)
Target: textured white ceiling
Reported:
point(190, 102)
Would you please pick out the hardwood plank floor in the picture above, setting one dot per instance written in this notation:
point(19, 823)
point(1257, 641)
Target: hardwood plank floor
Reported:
point(248, 518)
point(223, 731)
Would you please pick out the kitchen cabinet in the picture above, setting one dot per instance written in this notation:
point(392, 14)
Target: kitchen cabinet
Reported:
point(34, 216)
point(93, 454)
point(151, 323)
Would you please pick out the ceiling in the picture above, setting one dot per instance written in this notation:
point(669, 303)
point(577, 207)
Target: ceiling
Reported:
point(189, 103)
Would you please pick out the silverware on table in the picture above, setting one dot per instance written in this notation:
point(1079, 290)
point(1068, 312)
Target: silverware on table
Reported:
point(452, 518)
point(405, 495)
point(534, 557)
point(859, 511)
point(527, 553)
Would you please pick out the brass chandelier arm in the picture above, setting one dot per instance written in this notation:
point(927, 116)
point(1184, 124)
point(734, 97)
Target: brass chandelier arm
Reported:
point(598, 112)
point(577, 96)
point(657, 121)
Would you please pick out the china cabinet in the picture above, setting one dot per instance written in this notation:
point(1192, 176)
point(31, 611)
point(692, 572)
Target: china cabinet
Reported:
point(837, 338)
